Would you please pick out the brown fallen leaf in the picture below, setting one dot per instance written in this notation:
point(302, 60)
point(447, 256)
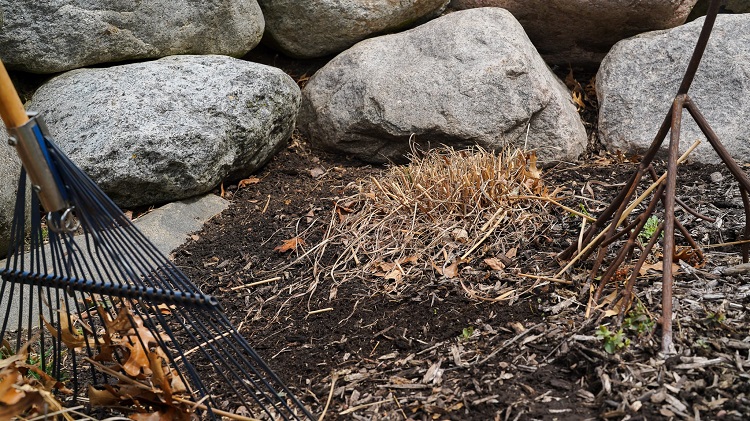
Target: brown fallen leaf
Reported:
point(153, 416)
point(413, 259)
point(68, 334)
point(451, 271)
point(317, 172)
point(658, 266)
point(494, 264)
point(383, 267)
point(394, 275)
point(247, 182)
point(9, 395)
point(577, 96)
point(290, 245)
point(689, 256)
point(137, 361)
point(178, 386)
point(166, 309)
point(101, 398)
point(533, 171)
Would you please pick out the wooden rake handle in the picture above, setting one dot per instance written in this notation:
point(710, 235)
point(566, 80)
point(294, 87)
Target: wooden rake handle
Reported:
point(11, 108)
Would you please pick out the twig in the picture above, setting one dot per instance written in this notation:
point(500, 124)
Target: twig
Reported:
point(556, 203)
point(255, 284)
point(731, 243)
point(265, 208)
point(322, 310)
point(508, 343)
point(398, 404)
point(430, 348)
point(546, 278)
point(334, 377)
point(200, 346)
point(363, 406)
point(472, 294)
point(485, 236)
point(65, 412)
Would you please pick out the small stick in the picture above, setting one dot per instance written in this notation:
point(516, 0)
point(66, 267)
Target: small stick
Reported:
point(556, 203)
point(489, 221)
point(255, 284)
point(197, 347)
point(322, 310)
point(265, 208)
point(334, 377)
point(580, 235)
point(485, 236)
point(398, 404)
point(501, 297)
point(732, 243)
point(363, 406)
point(546, 278)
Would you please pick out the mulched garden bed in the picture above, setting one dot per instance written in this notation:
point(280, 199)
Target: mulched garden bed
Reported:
point(352, 348)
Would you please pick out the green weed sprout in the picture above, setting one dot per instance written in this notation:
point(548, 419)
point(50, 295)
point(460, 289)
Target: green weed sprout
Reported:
point(613, 341)
point(638, 320)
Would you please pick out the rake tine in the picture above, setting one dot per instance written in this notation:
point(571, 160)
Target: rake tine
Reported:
point(105, 288)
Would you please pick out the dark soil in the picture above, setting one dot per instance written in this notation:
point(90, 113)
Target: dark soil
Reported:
point(429, 350)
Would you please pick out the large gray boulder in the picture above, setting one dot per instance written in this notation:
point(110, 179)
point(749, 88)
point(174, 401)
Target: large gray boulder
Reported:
point(172, 128)
point(580, 32)
point(729, 6)
point(639, 79)
point(48, 36)
point(10, 168)
point(316, 28)
point(470, 77)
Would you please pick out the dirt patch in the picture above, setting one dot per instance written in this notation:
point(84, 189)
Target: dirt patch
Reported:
point(353, 349)
point(428, 351)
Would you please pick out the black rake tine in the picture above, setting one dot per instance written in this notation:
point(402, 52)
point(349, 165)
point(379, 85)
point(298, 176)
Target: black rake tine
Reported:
point(117, 255)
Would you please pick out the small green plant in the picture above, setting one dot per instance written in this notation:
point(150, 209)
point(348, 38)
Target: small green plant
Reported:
point(638, 320)
point(35, 359)
point(652, 224)
point(48, 367)
point(467, 332)
point(584, 210)
point(719, 317)
point(701, 342)
point(613, 341)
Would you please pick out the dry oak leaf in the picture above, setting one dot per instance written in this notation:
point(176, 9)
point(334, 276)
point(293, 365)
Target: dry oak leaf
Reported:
point(69, 335)
point(102, 397)
point(9, 395)
point(494, 263)
point(449, 271)
point(290, 244)
point(247, 182)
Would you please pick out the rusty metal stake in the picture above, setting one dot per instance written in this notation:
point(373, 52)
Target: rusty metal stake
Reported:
point(610, 219)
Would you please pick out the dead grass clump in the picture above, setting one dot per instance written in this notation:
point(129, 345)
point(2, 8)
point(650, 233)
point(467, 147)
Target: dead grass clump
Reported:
point(443, 209)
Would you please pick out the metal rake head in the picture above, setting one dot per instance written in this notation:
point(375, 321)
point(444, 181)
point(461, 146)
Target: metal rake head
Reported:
point(101, 307)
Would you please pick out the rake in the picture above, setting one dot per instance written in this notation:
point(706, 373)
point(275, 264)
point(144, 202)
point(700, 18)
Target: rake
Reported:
point(105, 313)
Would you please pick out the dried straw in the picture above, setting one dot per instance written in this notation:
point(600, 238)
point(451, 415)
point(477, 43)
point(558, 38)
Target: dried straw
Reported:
point(444, 208)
